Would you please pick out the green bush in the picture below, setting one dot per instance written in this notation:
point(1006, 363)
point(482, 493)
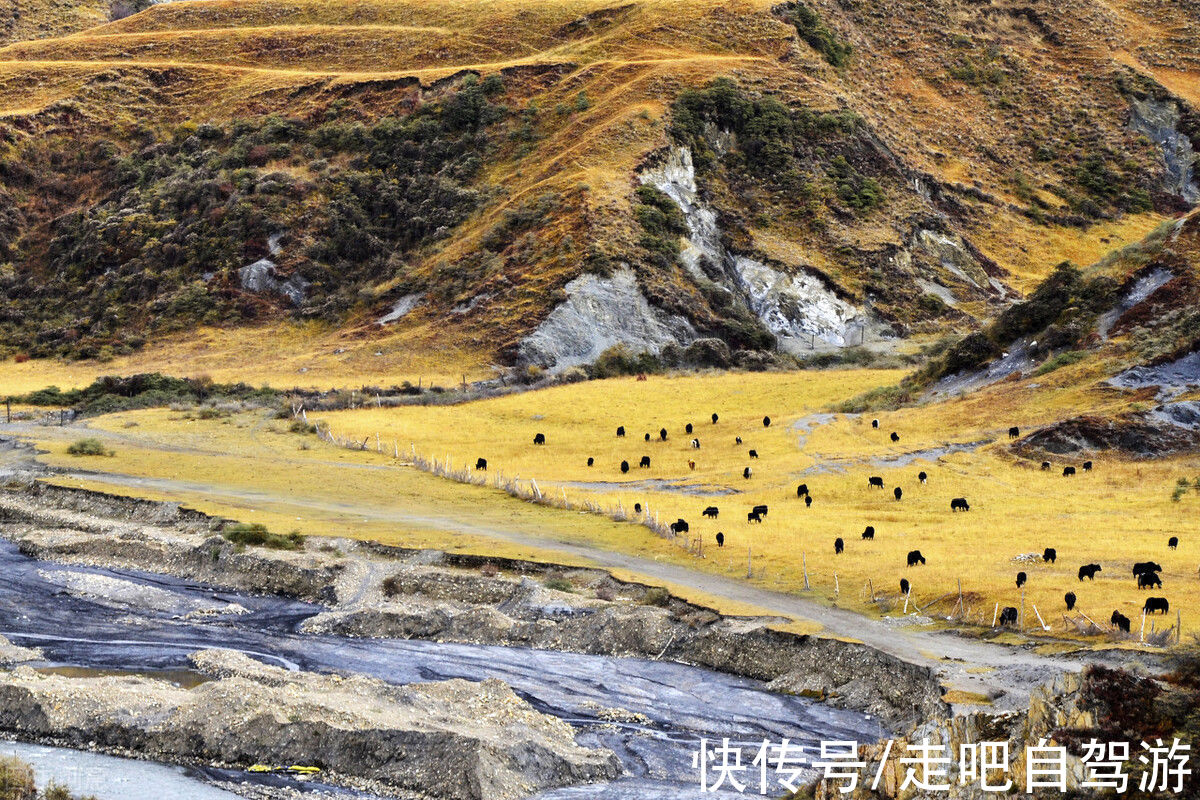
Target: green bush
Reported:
point(1060, 360)
point(559, 585)
point(16, 779)
point(813, 30)
point(89, 447)
point(656, 596)
point(256, 534)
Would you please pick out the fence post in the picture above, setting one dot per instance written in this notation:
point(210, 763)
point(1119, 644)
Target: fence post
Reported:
point(804, 561)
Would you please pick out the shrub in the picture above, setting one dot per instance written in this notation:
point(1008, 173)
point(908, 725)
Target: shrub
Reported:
point(89, 447)
point(1060, 360)
point(16, 779)
point(255, 533)
point(298, 425)
point(656, 596)
point(559, 584)
point(813, 30)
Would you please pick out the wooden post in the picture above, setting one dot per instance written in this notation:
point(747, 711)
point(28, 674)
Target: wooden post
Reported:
point(995, 612)
point(960, 597)
point(871, 586)
point(750, 563)
point(804, 561)
point(1178, 625)
point(907, 595)
point(836, 588)
point(1142, 632)
point(8, 409)
point(1021, 619)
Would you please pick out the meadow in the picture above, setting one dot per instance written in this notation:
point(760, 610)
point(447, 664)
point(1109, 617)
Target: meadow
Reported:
point(1120, 513)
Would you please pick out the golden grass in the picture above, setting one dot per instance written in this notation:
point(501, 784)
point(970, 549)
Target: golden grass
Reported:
point(245, 468)
point(1118, 514)
point(282, 355)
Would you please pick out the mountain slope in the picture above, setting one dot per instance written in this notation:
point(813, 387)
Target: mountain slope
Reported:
point(750, 171)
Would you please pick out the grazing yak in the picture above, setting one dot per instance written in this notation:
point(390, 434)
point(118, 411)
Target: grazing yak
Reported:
point(1045, 466)
point(1147, 579)
point(760, 510)
point(754, 516)
point(869, 532)
point(1050, 554)
point(712, 512)
point(1021, 578)
point(1145, 566)
point(737, 440)
point(715, 418)
point(838, 545)
point(895, 437)
point(874, 482)
point(620, 431)
point(1156, 604)
point(1121, 621)
point(687, 428)
point(898, 492)
point(1172, 543)
point(807, 500)
point(720, 536)
point(1089, 571)
point(1068, 472)
point(802, 490)
point(1069, 597)
point(1014, 432)
point(539, 438)
point(637, 508)
point(905, 586)
point(591, 461)
point(922, 477)
point(959, 504)
point(624, 466)
point(747, 472)
point(680, 526)
point(1087, 466)
point(1008, 615)
point(695, 444)
point(481, 463)
point(766, 422)
point(874, 423)
point(914, 556)
point(662, 434)
point(754, 454)
point(644, 463)
point(692, 465)
point(647, 437)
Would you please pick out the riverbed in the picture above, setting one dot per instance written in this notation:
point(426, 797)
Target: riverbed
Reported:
point(105, 619)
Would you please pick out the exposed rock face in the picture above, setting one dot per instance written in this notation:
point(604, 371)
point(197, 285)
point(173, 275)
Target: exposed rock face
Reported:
point(453, 739)
point(789, 305)
point(401, 308)
point(1167, 431)
point(1159, 121)
point(597, 314)
point(262, 276)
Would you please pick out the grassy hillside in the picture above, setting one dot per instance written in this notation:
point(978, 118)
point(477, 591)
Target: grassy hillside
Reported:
point(482, 155)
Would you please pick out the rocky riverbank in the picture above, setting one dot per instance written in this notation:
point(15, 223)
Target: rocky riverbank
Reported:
point(452, 739)
point(375, 591)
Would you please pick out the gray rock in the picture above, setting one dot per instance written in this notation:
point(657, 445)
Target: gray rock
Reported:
point(598, 314)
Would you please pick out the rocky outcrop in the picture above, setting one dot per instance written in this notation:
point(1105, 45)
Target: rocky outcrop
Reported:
point(1159, 120)
point(451, 739)
point(795, 305)
point(598, 314)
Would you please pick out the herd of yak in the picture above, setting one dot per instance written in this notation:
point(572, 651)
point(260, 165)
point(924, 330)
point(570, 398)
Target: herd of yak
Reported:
point(1145, 573)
